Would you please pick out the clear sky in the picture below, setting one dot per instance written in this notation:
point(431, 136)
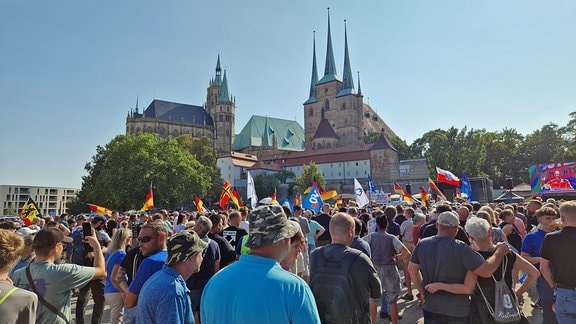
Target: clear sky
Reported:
point(71, 70)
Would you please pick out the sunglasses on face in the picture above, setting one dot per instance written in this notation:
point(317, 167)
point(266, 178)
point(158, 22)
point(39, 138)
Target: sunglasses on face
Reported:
point(145, 239)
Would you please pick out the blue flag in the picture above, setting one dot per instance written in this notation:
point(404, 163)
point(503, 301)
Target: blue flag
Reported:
point(371, 185)
point(286, 202)
point(465, 187)
point(313, 201)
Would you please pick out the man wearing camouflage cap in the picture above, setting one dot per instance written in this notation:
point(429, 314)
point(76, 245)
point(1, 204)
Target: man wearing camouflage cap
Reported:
point(164, 297)
point(264, 292)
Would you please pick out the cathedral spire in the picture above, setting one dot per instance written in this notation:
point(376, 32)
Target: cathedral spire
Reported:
point(347, 81)
point(330, 66)
point(359, 89)
point(218, 79)
point(314, 79)
point(224, 95)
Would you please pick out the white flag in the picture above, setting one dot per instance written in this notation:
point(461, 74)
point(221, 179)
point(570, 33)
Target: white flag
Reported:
point(361, 197)
point(251, 190)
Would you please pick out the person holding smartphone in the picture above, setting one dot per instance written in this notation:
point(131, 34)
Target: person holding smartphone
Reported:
point(98, 223)
point(55, 282)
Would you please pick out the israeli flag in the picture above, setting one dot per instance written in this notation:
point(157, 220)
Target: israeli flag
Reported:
point(361, 197)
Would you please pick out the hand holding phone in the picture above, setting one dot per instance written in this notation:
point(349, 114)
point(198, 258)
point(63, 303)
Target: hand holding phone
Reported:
point(87, 229)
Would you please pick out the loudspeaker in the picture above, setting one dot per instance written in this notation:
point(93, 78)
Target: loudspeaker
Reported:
point(509, 183)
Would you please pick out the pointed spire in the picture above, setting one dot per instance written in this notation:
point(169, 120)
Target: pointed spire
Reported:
point(218, 79)
point(359, 89)
point(347, 81)
point(314, 79)
point(224, 96)
point(330, 66)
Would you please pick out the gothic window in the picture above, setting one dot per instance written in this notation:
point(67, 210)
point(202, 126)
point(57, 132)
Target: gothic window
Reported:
point(326, 105)
point(343, 105)
point(311, 112)
point(175, 133)
point(227, 118)
point(220, 118)
point(228, 109)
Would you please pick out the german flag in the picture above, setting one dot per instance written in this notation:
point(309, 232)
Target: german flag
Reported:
point(405, 196)
point(149, 202)
point(99, 209)
point(236, 198)
point(435, 188)
point(424, 197)
point(199, 204)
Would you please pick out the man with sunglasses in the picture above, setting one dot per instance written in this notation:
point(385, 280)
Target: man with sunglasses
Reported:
point(152, 243)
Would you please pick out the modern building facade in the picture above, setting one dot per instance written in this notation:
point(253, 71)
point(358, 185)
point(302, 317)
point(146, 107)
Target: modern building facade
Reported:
point(50, 200)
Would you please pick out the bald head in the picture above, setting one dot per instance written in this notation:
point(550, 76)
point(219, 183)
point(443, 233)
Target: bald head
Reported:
point(342, 228)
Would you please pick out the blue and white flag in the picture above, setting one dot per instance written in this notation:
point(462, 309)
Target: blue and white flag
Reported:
point(313, 200)
point(361, 197)
point(371, 185)
point(465, 187)
point(286, 202)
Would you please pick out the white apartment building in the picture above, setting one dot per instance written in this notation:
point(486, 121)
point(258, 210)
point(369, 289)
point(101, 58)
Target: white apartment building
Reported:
point(50, 200)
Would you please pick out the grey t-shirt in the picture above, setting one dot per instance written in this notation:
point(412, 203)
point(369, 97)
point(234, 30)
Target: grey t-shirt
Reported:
point(445, 259)
point(55, 283)
point(19, 307)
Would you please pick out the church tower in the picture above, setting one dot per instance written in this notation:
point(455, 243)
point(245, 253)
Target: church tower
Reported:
point(222, 107)
point(333, 101)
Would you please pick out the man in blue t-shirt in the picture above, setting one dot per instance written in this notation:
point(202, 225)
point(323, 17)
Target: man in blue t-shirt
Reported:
point(531, 251)
point(164, 297)
point(282, 297)
point(152, 243)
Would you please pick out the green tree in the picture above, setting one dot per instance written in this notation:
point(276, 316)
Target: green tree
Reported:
point(404, 152)
point(120, 174)
point(201, 148)
point(265, 184)
point(310, 173)
point(544, 145)
point(503, 157)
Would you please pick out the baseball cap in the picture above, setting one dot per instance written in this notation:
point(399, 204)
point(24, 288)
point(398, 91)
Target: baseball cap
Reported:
point(24, 231)
point(448, 219)
point(49, 237)
point(183, 245)
point(268, 225)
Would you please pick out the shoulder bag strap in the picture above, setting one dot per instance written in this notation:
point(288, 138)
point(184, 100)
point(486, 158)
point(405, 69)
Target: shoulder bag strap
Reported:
point(44, 302)
point(8, 294)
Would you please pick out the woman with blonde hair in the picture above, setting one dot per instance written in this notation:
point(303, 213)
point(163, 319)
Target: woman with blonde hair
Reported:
point(114, 257)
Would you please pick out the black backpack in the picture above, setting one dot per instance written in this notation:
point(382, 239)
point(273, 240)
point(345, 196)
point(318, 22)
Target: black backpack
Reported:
point(330, 284)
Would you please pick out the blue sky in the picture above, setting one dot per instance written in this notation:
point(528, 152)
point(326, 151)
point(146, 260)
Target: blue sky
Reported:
point(71, 70)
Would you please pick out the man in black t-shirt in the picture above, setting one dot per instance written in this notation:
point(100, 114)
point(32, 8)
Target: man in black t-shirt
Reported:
point(324, 220)
point(233, 233)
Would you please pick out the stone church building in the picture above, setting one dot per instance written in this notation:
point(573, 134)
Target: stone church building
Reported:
point(336, 122)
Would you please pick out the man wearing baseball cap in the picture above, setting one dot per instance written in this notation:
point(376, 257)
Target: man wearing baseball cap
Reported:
point(164, 297)
point(442, 258)
point(264, 292)
point(54, 282)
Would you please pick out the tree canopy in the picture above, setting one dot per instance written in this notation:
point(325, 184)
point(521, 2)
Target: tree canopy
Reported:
point(120, 174)
point(310, 173)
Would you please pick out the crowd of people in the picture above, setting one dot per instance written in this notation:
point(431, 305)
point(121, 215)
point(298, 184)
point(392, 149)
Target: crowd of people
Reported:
point(340, 265)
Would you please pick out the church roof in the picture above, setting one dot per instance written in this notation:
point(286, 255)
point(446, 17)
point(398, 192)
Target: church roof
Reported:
point(382, 143)
point(325, 130)
point(263, 131)
point(177, 112)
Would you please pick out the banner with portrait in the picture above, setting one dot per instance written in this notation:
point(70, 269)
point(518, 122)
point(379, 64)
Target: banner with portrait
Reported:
point(556, 177)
